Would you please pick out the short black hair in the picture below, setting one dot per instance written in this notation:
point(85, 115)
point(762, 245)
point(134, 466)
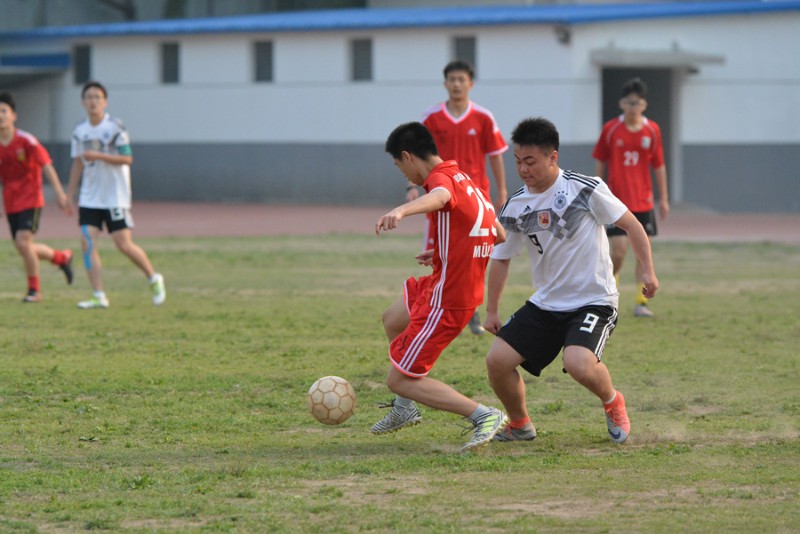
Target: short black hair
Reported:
point(411, 137)
point(98, 85)
point(8, 99)
point(459, 65)
point(536, 131)
point(635, 87)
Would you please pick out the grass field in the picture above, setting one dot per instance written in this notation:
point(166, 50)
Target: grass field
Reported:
point(191, 417)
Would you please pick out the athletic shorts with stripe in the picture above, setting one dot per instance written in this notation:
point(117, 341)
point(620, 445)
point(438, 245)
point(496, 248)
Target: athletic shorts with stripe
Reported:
point(648, 220)
point(539, 335)
point(429, 331)
point(24, 220)
point(114, 218)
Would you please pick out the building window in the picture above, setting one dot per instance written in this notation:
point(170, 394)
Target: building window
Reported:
point(361, 54)
point(263, 61)
point(170, 67)
point(82, 58)
point(464, 48)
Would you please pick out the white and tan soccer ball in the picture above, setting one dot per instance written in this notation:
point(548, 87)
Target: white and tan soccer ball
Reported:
point(331, 400)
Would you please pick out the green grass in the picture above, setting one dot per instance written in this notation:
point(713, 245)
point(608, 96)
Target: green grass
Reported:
point(191, 417)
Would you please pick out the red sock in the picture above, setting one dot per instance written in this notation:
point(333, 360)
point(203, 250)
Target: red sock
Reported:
point(59, 258)
point(520, 423)
point(33, 283)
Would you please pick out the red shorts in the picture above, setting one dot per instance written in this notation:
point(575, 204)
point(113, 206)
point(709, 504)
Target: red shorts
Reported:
point(429, 331)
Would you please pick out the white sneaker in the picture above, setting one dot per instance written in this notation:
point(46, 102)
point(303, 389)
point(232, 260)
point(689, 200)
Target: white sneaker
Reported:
point(93, 303)
point(641, 310)
point(158, 289)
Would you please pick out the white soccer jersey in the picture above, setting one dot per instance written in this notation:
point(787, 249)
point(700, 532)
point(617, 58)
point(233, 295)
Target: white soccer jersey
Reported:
point(103, 185)
point(564, 230)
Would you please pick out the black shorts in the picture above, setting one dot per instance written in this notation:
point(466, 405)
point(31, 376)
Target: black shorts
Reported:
point(539, 335)
point(114, 218)
point(24, 220)
point(647, 218)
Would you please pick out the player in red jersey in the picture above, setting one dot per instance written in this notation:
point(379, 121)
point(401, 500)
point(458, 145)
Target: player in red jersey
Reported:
point(435, 308)
point(466, 132)
point(628, 147)
point(22, 161)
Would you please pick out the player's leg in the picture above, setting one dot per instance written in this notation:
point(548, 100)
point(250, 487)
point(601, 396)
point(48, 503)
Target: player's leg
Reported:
point(641, 309)
point(584, 367)
point(430, 392)
point(395, 318)
point(90, 226)
point(588, 331)
point(506, 381)
point(123, 239)
point(23, 242)
point(501, 365)
point(587, 370)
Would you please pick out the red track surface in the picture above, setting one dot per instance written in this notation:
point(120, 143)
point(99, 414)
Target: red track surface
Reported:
point(161, 219)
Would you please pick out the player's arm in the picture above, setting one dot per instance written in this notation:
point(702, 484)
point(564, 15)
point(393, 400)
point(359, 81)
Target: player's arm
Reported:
point(501, 232)
point(600, 169)
point(640, 244)
point(661, 183)
point(52, 177)
point(496, 283)
point(112, 159)
point(75, 173)
point(432, 201)
point(499, 172)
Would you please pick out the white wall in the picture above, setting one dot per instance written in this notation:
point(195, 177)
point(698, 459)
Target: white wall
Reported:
point(754, 97)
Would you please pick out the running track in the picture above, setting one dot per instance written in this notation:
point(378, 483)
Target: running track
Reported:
point(162, 219)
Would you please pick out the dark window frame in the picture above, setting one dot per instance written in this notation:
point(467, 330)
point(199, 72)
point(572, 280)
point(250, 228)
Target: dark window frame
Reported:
point(263, 61)
point(170, 63)
point(361, 60)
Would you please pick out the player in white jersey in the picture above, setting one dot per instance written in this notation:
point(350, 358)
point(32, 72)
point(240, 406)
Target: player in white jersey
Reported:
point(560, 217)
point(101, 163)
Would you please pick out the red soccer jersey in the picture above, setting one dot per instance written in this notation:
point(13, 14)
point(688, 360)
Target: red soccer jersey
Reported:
point(21, 163)
point(467, 139)
point(463, 237)
point(629, 156)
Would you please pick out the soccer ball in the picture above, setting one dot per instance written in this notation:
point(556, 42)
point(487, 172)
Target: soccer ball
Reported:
point(331, 400)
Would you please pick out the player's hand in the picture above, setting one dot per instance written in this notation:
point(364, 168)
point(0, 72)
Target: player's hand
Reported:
point(388, 221)
point(412, 193)
point(650, 283)
point(91, 155)
point(492, 323)
point(663, 209)
point(425, 258)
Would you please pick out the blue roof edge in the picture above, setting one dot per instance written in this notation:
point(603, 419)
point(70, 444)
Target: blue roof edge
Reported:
point(389, 18)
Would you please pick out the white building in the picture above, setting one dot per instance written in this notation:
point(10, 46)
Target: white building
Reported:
point(295, 107)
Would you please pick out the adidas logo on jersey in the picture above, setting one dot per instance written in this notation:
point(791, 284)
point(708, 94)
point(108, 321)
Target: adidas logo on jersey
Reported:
point(472, 132)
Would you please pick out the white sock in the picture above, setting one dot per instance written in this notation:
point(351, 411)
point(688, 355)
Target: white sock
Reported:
point(479, 412)
point(402, 402)
point(100, 294)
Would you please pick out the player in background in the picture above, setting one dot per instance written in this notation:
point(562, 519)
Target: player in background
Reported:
point(434, 309)
point(628, 147)
point(101, 163)
point(466, 132)
point(23, 160)
point(559, 217)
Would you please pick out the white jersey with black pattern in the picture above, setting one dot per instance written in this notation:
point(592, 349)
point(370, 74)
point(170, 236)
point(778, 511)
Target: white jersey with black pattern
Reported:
point(103, 185)
point(563, 229)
